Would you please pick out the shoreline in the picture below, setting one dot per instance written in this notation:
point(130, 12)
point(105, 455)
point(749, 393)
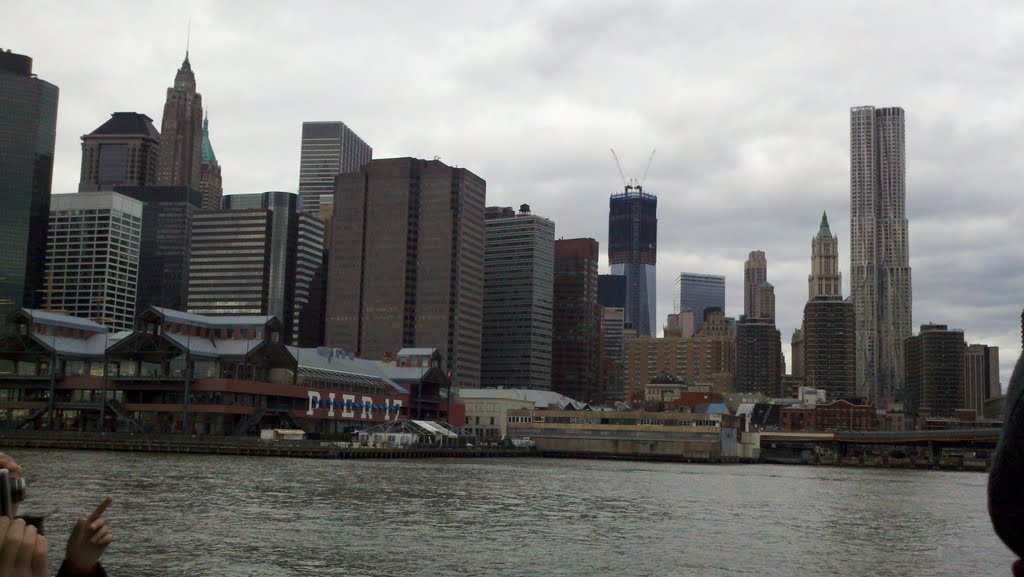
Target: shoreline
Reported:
point(247, 446)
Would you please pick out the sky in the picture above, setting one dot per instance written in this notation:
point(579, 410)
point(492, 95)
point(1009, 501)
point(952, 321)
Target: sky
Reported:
point(746, 102)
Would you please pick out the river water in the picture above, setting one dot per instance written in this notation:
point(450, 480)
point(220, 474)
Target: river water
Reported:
point(216, 515)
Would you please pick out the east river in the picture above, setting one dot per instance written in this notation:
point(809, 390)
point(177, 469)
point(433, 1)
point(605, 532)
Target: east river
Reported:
point(215, 515)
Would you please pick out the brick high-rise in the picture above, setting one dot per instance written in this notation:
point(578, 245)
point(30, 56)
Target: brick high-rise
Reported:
point(576, 332)
point(880, 281)
point(759, 362)
point(406, 263)
point(935, 371)
point(181, 132)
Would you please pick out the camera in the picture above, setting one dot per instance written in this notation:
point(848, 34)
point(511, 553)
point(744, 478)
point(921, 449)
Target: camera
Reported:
point(12, 492)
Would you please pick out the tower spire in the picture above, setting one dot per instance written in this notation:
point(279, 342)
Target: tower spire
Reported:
point(188, 38)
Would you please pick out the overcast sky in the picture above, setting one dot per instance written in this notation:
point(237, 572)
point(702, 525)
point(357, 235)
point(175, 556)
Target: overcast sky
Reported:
point(747, 104)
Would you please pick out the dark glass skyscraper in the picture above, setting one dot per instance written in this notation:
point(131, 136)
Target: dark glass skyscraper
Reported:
point(633, 253)
point(28, 128)
point(167, 214)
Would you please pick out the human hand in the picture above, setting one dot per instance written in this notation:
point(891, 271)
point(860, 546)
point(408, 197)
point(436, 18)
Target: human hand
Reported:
point(89, 539)
point(22, 550)
point(6, 462)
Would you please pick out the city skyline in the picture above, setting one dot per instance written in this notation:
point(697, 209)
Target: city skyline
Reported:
point(725, 157)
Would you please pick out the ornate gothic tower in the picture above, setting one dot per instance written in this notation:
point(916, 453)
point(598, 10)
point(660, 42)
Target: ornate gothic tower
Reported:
point(181, 132)
point(825, 279)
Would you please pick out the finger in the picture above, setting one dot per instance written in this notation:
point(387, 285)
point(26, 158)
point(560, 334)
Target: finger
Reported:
point(10, 545)
point(99, 535)
point(9, 464)
point(97, 524)
point(106, 540)
point(28, 544)
point(39, 560)
point(102, 507)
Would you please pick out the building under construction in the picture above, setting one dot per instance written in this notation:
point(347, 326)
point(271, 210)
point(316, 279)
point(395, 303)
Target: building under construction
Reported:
point(633, 250)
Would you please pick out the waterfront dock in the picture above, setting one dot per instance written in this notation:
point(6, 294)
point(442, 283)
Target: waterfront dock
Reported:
point(242, 446)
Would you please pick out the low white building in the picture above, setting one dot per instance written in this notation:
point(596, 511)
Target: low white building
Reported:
point(487, 409)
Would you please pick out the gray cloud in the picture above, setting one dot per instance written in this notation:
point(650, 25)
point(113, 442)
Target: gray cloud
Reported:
point(746, 102)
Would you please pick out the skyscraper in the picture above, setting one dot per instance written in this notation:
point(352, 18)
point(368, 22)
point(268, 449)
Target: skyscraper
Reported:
point(828, 351)
point(699, 292)
point(181, 132)
point(257, 256)
point(880, 282)
point(981, 376)
point(758, 293)
point(519, 252)
point(759, 362)
point(167, 213)
point(28, 128)
point(210, 183)
point(935, 371)
point(576, 336)
point(825, 279)
point(407, 262)
point(92, 257)
point(328, 149)
point(633, 253)
point(123, 151)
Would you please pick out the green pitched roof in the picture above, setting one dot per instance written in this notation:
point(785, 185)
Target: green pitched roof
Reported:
point(822, 232)
point(208, 156)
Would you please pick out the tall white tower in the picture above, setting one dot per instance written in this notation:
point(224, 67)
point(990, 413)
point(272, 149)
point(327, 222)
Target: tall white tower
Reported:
point(880, 282)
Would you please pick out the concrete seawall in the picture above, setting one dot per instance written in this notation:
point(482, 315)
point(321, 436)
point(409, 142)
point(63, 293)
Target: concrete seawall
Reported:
point(246, 446)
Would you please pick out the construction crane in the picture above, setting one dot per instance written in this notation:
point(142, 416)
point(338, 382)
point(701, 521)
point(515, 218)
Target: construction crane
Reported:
point(625, 184)
point(632, 183)
point(643, 179)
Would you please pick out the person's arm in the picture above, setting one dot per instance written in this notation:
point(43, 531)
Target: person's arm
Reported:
point(89, 539)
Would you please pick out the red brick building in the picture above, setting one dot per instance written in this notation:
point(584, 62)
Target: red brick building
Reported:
point(843, 415)
point(794, 419)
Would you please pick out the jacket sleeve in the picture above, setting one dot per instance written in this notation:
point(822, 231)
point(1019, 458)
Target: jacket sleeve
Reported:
point(65, 571)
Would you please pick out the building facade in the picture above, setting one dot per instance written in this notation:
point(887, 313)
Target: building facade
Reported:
point(633, 253)
point(825, 279)
point(257, 256)
point(92, 257)
point(210, 182)
point(935, 371)
point(575, 337)
point(829, 346)
point(123, 151)
point(407, 262)
point(611, 290)
point(167, 213)
point(796, 345)
point(519, 269)
point(699, 292)
point(758, 293)
point(759, 362)
point(328, 149)
point(181, 132)
point(28, 129)
point(981, 376)
point(707, 358)
point(880, 279)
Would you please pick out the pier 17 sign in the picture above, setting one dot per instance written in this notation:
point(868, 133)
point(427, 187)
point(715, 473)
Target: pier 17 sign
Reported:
point(347, 407)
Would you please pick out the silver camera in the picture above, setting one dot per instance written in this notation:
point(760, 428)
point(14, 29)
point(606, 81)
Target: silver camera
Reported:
point(12, 492)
